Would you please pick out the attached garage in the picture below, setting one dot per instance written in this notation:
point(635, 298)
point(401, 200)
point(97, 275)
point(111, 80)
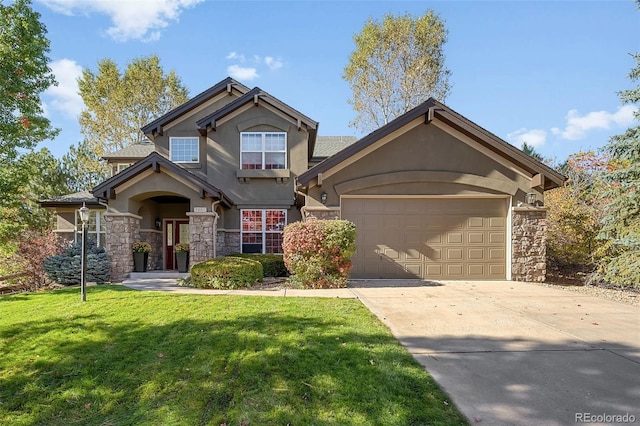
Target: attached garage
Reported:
point(429, 238)
point(436, 197)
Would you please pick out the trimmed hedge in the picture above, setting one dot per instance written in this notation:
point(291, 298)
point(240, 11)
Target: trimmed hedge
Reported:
point(272, 264)
point(226, 273)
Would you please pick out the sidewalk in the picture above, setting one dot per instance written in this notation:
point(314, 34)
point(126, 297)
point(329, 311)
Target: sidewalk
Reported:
point(167, 282)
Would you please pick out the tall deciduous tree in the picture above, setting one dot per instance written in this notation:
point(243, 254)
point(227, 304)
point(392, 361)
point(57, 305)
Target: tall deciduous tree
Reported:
point(24, 75)
point(621, 224)
point(119, 104)
point(397, 64)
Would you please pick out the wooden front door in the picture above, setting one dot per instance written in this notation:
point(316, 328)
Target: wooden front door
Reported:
point(175, 231)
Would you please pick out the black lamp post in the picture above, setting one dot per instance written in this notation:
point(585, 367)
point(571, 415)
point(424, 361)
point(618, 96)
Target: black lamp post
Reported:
point(84, 217)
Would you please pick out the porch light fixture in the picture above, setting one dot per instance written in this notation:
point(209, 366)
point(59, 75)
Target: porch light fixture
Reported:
point(84, 218)
point(531, 198)
point(158, 223)
point(323, 197)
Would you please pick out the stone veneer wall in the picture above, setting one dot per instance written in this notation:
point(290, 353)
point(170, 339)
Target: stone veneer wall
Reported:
point(228, 242)
point(153, 237)
point(202, 241)
point(320, 213)
point(528, 244)
point(122, 231)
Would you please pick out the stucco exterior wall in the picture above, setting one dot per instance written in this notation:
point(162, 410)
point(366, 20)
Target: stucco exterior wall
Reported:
point(425, 148)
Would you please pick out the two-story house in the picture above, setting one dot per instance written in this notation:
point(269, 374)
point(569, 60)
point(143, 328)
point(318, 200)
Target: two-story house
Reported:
point(432, 194)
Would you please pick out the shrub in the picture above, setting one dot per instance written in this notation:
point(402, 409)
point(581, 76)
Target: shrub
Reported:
point(272, 264)
point(317, 252)
point(226, 272)
point(65, 268)
point(33, 249)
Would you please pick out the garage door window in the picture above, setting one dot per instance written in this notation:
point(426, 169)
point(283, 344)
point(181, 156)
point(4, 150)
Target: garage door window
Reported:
point(262, 230)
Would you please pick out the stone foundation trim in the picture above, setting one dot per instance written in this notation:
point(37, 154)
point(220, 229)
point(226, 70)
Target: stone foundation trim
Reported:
point(323, 212)
point(528, 244)
point(202, 236)
point(122, 230)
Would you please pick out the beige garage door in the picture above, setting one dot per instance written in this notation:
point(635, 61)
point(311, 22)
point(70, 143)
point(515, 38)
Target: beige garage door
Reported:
point(428, 238)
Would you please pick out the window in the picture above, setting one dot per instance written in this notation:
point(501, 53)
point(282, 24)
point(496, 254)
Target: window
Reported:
point(263, 150)
point(262, 230)
point(96, 227)
point(184, 150)
point(120, 167)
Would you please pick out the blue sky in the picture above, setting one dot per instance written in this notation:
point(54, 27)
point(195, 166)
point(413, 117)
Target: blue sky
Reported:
point(542, 71)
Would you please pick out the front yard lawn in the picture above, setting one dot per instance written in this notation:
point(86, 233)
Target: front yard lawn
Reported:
point(130, 358)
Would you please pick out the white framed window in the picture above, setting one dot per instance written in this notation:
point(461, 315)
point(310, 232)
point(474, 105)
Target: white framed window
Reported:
point(263, 150)
point(262, 230)
point(96, 227)
point(184, 150)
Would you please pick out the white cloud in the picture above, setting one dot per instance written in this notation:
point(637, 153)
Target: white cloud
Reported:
point(242, 73)
point(235, 55)
point(273, 64)
point(132, 20)
point(533, 137)
point(64, 96)
point(578, 126)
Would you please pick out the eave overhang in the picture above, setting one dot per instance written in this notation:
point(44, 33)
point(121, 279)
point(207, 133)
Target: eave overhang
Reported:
point(434, 110)
point(155, 128)
point(257, 96)
point(156, 162)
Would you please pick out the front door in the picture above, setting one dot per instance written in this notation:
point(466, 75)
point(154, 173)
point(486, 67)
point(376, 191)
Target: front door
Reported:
point(175, 232)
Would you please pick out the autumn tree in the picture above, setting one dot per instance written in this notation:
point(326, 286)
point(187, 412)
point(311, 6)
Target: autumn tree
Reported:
point(575, 211)
point(24, 75)
point(117, 105)
point(621, 222)
point(397, 64)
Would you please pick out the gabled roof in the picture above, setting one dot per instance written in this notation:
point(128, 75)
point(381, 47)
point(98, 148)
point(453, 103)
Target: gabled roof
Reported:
point(155, 161)
point(432, 109)
point(71, 200)
point(134, 151)
point(257, 95)
point(228, 85)
point(326, 146)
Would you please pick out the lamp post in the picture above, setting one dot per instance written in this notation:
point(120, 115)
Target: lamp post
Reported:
point(84, 217)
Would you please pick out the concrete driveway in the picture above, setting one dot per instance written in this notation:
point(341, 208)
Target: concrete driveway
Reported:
point(511, 353)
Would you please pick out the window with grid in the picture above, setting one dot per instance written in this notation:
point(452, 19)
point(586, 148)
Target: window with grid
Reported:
point(184, 150)
point(96, 227)
point(263, 150)
point(262, 230)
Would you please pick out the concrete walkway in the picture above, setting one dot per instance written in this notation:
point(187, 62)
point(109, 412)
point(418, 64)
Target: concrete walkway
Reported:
point(507, 353)
point(167, 282)
point(511, 353)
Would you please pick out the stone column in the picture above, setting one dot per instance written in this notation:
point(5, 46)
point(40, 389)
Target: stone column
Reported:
point(123, 229)
point(202, 236)
point(528, 244)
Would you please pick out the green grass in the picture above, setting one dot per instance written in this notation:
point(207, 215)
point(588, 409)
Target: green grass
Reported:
point(130, 358)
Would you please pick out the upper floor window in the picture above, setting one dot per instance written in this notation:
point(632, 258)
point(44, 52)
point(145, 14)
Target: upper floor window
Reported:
point(263, 150)
point(184, 150)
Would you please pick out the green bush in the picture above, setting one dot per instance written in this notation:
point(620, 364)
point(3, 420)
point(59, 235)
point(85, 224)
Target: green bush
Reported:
point(272, 264)
point(318, 252)
point(226, 273)
point(65, 268)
